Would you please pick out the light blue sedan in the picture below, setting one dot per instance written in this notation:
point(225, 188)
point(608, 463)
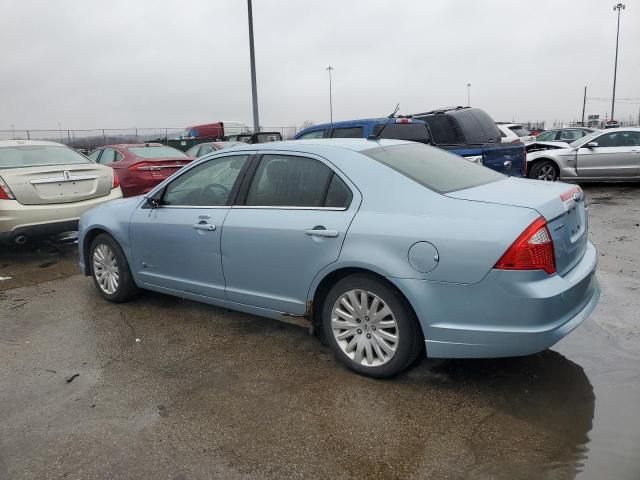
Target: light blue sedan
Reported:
point(386, 248)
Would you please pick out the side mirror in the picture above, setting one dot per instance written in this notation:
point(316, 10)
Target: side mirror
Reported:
point(592, 145)
point(152, 203)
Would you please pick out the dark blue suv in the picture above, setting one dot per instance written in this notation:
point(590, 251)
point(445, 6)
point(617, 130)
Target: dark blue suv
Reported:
point(468, 132)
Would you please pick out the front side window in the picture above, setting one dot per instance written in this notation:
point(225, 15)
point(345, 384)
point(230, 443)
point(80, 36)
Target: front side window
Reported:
point(36, 155)
point(208, 184)
point(570, 135)
point(347, 132)
point(310, 135)
point(433, 168)
point(290, 181)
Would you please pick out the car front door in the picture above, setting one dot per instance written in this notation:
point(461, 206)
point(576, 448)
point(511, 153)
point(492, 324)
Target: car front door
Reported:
point(176, 241)
point(291, 219)
point(615, 156)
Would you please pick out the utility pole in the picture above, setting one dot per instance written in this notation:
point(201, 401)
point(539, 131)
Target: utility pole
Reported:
point(329, 69)
point(254, 88)
point(584, 103)
point(468, 94)
point(618, 7)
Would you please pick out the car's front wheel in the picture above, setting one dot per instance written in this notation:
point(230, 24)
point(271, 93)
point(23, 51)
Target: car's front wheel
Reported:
point(370, 327)
point(110, 270)
point(545, 171)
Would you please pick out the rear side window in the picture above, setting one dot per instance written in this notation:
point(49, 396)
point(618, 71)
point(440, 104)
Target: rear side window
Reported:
point(291, 181)
point(349, 132)
point(414, 132)
point(487, 124)
point(338, 194)
point(433, 168)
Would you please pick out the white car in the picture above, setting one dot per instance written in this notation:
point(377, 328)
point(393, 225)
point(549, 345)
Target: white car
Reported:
point(513, 132)
point(46, 186)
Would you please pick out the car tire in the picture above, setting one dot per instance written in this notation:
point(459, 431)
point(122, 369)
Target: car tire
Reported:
point(544, 170)
point(110, 270)
point(380, 345)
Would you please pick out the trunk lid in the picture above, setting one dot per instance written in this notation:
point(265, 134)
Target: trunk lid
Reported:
point(47, 184)
point(561, 205)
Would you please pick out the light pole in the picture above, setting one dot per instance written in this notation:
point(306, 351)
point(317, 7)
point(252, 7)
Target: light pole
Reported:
point(468, 94)
point(13, 133)
point(618, 7)
point(254, 88)
point(329, 69)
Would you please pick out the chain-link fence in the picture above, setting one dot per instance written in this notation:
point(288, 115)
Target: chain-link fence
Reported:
point(92, 138)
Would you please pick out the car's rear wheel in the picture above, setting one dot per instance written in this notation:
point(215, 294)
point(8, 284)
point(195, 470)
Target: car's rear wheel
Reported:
point(370, 327)
point(110, 270)
point(545, 171)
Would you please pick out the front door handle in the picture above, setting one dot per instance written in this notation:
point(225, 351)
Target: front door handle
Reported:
point(209, 227)
point(322, 232)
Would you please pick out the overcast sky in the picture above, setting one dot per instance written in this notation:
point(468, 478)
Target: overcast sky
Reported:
point(100, 64)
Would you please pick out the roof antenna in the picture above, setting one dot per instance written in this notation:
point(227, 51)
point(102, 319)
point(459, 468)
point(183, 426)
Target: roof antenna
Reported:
point(376, 136)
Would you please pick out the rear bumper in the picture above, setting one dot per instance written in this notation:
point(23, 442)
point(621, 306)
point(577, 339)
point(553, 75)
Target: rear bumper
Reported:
point(40, 220)
point(507, 314)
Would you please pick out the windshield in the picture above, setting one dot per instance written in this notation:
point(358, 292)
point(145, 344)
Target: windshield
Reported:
point(520, 131)
point(433, 168)
point(157, 151)
point(584, 140)
point(35, 155)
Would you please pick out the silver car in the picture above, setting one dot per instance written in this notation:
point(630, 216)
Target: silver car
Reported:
point(46, 186)
point(611, 155)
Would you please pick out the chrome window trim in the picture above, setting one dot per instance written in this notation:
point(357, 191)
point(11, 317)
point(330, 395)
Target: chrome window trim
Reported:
point(273, 207)
point(195, 206)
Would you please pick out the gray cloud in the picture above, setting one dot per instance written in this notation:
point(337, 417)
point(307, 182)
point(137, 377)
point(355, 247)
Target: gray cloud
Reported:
point(92, 64)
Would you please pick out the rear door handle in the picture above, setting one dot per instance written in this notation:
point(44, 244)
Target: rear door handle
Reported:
point(322, 232)
point(204, 226)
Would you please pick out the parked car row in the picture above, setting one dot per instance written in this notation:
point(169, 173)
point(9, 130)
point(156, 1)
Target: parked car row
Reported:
point(468, 132)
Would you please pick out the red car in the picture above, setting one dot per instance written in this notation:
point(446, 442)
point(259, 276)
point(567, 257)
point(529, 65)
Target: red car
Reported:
point(140, 167)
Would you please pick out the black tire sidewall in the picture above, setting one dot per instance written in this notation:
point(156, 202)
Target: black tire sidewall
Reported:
point(126, 285)
point(538, 166)
point(408, 329)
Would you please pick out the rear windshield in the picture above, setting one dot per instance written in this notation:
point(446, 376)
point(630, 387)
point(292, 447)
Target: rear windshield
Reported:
point(433, 168)
point(35, 155)
point(159, 151)
point(520, 131)
point(415, 132)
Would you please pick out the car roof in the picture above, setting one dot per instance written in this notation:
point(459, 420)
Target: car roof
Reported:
point(346, 123)
point(18, 143)
point(620, 129)
point(319, 145)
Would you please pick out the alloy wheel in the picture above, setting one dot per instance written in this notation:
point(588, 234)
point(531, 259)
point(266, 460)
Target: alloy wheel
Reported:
point(105, 269)
point(365, 328)
point(547, 173)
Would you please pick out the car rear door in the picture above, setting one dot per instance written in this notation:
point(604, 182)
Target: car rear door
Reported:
point(616, 156)
point(176, 245)
point(290, 222)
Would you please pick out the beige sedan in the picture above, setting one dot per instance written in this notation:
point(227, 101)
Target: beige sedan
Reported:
point(46, 186)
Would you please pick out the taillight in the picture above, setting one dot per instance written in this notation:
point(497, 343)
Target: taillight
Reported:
point(144, 167)
point(532, 250)
point(5, 191)
point(116, 180)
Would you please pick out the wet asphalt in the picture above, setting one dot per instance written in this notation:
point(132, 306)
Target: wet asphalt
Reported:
point(163, 388)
